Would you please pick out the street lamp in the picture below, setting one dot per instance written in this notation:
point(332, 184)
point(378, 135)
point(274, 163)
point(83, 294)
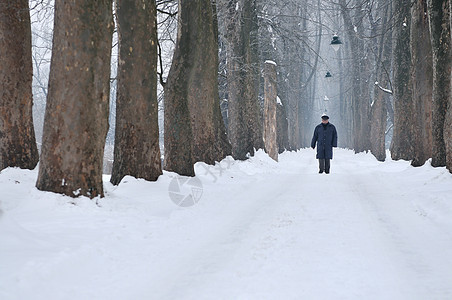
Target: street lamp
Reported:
point(336, 42)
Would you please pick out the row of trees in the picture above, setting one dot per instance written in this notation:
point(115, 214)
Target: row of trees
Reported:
point(399, 54)
point(394, 73)
point(76, 117)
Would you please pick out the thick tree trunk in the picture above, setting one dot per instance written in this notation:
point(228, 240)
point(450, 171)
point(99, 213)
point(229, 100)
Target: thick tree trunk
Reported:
point(448, 118)
point(137, 151)
point(76, 118)
point(270, 95)
point(178, 132)
point(403, 138)
point(440, 38)
point(210, 142)
point(422, 79)
point(196, 57)
point(17, 136)
point(245, 127)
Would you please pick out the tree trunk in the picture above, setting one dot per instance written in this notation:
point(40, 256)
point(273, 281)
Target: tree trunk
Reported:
point(422, 79)
point(178, 132)
point(440, 38)
point(17, 135)
point(193, 79)
point(448, 117)
point(137, 151)
point(76, 118)
point(403, 138)
point(222, 144)
point(379, 112)
point(294, 93)
point(270, 95)
point(245, 127)
point(210, 142)
point(360, 89)
point(282, 135)
point(378, 125)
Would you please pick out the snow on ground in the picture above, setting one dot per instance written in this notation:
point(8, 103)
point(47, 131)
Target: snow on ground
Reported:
point(260, 230)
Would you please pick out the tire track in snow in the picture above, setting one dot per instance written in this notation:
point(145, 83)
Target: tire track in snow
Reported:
point(419, 260)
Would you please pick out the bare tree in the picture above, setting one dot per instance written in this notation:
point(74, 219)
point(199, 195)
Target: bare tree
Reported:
point(17, 136)
point(76, 118)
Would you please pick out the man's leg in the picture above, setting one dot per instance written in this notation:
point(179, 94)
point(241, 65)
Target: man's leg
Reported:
point(321, 165)
point(327, 166)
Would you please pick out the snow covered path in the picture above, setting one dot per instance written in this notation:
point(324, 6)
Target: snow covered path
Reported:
point(261, 230)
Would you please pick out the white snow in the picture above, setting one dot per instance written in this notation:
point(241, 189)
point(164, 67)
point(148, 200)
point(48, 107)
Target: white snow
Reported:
point(261, 230)
point(271, 62)
point(382, 88)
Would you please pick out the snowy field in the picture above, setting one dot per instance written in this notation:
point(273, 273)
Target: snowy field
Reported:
point(259, 230)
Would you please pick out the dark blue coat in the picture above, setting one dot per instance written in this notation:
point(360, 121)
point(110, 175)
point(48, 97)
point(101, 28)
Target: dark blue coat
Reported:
point(326, 139)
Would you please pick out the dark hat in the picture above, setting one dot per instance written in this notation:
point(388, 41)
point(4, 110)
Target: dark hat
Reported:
point(325, 117)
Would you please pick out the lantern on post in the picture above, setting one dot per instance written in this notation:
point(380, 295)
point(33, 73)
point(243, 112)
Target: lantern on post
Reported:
point(336, 42)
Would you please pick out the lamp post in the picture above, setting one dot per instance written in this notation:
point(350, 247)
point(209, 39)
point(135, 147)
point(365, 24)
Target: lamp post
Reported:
point(336, 43)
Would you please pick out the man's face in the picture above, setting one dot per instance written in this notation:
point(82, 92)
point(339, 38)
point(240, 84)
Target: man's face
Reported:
point(324, 121)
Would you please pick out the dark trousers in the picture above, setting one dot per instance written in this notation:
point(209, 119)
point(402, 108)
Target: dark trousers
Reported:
point(324, 165)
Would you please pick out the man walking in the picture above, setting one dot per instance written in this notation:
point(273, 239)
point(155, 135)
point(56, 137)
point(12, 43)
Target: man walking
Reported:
point(325, 136)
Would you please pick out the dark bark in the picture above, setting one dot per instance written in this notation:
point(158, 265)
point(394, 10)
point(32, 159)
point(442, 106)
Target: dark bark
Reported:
point(210, 141)
point(76, 118)
point(17, 136)
point(137, 151)
point(403, 137)
point(244, 124)
point(178, 132)
point(193, 79)
point(282, 135)
point(448, 116)
point(422, 79)
point(440, 39)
